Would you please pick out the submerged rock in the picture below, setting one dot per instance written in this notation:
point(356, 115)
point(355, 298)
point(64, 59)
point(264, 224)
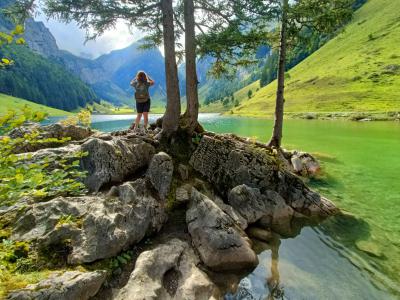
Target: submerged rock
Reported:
point(160, 173)
point(63, 286)
point(95, 227)
point(169, 271)
point(220, 242)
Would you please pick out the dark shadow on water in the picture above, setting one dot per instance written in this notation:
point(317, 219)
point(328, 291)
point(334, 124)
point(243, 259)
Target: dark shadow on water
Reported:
point(345, 229)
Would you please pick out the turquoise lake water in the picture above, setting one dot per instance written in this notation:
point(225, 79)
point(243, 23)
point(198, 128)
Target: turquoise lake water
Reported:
point(355, 256)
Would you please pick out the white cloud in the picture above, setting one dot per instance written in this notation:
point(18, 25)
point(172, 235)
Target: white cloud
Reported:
point(71, 38)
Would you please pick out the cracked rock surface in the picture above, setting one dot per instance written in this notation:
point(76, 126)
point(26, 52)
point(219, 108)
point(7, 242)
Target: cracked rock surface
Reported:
point(160, 173)
point(97, 227)
point(111, 161)
point(220, 242)
point(169, 271)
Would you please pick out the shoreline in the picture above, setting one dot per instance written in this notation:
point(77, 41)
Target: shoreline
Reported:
point(328, 116)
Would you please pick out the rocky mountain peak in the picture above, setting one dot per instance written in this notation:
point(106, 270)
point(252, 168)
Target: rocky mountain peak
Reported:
point(40, 39)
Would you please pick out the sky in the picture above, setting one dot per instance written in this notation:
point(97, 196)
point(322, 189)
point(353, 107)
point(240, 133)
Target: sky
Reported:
point(71, 38)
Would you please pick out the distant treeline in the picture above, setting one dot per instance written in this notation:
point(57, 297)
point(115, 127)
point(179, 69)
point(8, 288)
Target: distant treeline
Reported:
point(35, 78)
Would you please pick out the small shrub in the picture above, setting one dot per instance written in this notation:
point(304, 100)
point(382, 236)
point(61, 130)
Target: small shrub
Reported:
point(21, 177)
point(84, 118)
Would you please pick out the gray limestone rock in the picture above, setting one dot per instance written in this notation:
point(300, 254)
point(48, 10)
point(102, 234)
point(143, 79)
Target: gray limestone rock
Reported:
point(220, 242)
point(96, 227)
point(112, 161)
point(160, 173)
point(62, 286)
point(169, 271)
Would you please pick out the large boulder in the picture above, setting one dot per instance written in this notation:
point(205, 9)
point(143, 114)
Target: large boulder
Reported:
point(220, 242)
point(53, 131)
point(227, 162)
point(95, 227)
point(63, 286)
point(169, 271)
point(57, 131)
point(160, 173)
point(111, 161)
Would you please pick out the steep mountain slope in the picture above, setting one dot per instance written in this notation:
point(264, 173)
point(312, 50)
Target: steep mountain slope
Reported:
point(35, 78)
point(9, 102)
point(359, 70)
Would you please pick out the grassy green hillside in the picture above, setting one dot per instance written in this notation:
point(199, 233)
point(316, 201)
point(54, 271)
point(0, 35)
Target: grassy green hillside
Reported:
point(358, 71)
point(9, 102)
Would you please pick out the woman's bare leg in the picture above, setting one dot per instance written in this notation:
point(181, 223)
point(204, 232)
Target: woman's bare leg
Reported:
point(137, 121)
point(146, 119)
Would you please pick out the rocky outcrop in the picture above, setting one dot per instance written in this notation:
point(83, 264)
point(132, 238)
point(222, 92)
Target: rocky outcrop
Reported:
point(108, 160)
point(40, 39)
point(95, 227)
point(114, 160)
point(220, 242)
point(53, 131)
point(228, 162)
point(63, 286)
point(169, 271)
point(160, 173)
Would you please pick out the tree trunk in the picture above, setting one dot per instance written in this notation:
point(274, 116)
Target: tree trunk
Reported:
point(171, 117)
point(192, 98)
point(278, 123)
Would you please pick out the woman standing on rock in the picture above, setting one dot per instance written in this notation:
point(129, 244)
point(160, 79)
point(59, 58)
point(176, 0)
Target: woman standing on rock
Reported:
point(141, 83)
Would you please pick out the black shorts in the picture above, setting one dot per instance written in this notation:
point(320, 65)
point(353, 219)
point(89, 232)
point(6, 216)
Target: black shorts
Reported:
point(143, 107)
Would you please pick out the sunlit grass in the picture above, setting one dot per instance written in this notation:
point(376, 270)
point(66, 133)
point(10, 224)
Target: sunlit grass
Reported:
point(359, 70)
point(9, 102)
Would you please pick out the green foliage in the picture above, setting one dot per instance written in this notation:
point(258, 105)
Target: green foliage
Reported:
point(249, 94)
point(69, 219)
point(84, 118)
point(19, 266)
point(21, 176)
point(121, 260)
point(9, 38)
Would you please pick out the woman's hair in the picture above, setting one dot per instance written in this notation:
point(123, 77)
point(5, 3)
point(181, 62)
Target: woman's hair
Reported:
point(141, 76)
